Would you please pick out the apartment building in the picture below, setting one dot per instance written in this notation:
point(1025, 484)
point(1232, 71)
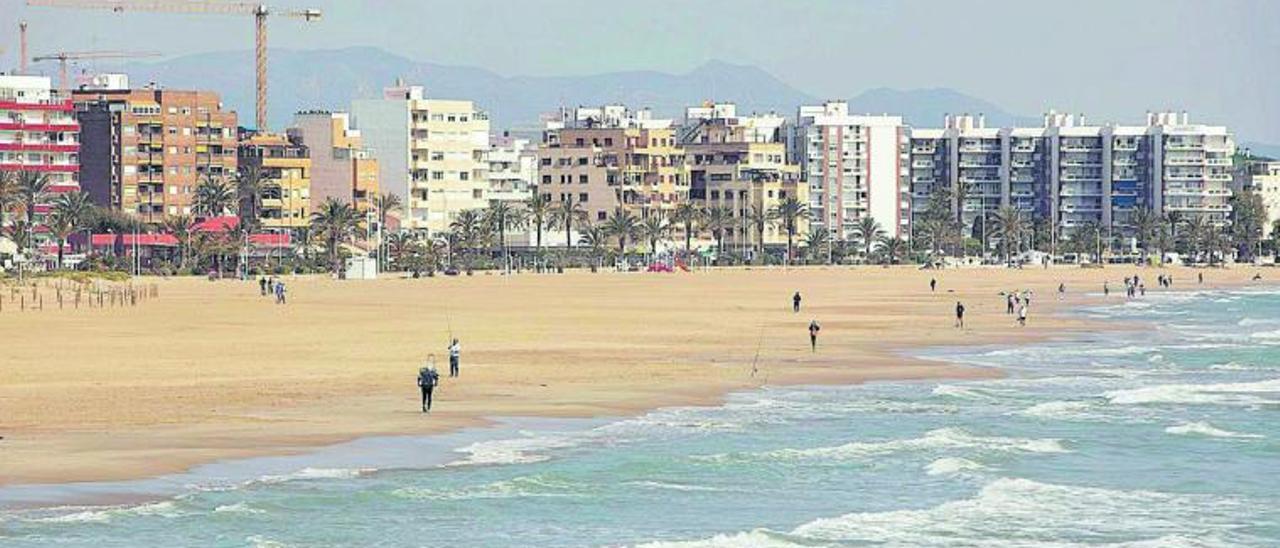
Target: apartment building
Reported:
point(855, 168)
point(39, 133)
point(1262, 178)
point(341, 167)
point(431, 153)
point(284, 171)
point(146, 150)
point(610, 157)
point(1071, 173)
point(740, 163)
point(513, 168)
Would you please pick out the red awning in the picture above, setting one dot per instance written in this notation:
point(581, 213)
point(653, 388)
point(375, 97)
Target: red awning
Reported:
point(217, 224)
point(270, 240)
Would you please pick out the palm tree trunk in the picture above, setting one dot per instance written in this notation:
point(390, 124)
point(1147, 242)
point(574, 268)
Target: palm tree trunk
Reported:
point(61, 242)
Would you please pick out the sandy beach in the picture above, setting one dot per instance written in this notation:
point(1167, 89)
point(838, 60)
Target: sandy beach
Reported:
point(211, 370)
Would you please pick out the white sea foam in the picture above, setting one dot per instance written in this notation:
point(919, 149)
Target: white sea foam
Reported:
point(518, 487)
point(317, 474)
point(166, 509)
point(237, 508)
point(513, 451)
point(1060, 410)
point(1013, 512)
point(669, 486)
point(1243, 393)
point(940, 439)
point(1200, 428)
point(1246, 322)
point(947, 466)
point(1236, 366)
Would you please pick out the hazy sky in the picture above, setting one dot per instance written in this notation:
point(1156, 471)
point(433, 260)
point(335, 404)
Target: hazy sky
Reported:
point(1112, 59)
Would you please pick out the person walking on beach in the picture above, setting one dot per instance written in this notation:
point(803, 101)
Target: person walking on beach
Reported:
point(1062, 290)
point(455, 354)
point(1022, 316)
point(280, 293)
point(795, 302)
point(262, 285)
point(933, 284)
point(1142, 290)
point(1106, 289)
point(959, 315)
point(1200, 275)
point(428, 378)
point(814, 328)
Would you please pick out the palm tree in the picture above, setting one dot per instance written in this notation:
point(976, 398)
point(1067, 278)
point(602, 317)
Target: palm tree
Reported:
point(384, 204)
point(71, 210)
point(8, 194)
point(467, 228)
point(892, 248)
point(537, 208)
point(654, 229)
point(1087, 239)
point(32, 187)
point(1011, 228)
point(1194, 236)
point(595, 237)
point(1248, 213)
point(399, 246)
point(1145, 225)
point(623, 226)
point(760, 217)
point(248, 192)
point(868, 232)
point(690, 217)
point(718, 220)
point(501, 216)
point(182, 228)
point(788, 214)
point(214, 198)
point(814, 241)
point(566, 213)
point(337, 222)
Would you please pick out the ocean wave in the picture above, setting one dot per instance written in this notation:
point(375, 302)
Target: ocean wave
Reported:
point(518, 487)
point(1200, 428)
point(668, 486)
point(1236, 366)
point(524, 450)
point(1015, 512)
point(104, 514)
point(1060, 410)
point(1247, 322)
point(1242, 393)
point(237, 508)
point(316, 474)
point(947, 466)
point(940, 439)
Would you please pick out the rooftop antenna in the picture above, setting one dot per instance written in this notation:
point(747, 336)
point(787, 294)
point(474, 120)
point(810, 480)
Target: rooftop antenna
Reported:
point(22, 47)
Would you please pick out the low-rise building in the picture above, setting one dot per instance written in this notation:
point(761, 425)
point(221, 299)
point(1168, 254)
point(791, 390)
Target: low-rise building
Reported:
point(284, 171)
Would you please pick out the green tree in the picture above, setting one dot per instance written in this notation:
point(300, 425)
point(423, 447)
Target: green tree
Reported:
point(71, 211)
point(8, 195)
point(248, 192)
point(537, 208)
point(214, 198)
point(385, 204)
point(718, 220)
point(815, 243)
point(1010, 226)
point(868, 232)
point(337, 223)
point(654, 229)
point(689, 216)
point(624, 226)
point(33, 186)
point(567, 213)
point(181, 227)
point(789, 215)
point(760, 218)
point(1248, 215)
point(501, 217)
point(595, 238)
point(468, 229)
point(1145, 226)
point(892, 249)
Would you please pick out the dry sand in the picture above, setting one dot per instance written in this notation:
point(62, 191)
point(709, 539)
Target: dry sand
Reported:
point(211, 370)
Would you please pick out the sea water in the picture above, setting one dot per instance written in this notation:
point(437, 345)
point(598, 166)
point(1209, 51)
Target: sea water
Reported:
point(1163, 432)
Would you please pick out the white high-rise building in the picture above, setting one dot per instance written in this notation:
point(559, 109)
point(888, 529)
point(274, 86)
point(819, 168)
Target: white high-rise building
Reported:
point(855, 168)
point(1072, 174)
point(432, 153)
point(39, 134)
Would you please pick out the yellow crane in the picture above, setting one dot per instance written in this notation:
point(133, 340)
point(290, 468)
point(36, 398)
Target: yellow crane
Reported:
point(258, 11)
point(64, 82)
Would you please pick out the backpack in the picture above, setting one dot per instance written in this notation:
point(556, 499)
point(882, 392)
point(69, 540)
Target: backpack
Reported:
point(427, 377)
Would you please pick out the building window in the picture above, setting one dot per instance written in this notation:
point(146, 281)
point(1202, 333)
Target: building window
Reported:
point(437, 175)
point(601, 216)
point(463, 176)
point(582, 197)
point(477, 194)
point(546, 179)
point(582, 179)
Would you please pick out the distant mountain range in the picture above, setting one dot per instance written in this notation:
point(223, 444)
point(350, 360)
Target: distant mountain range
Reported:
point(330, 79)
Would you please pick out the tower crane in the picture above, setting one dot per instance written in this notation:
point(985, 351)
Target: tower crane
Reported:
point(64, 83)
point(260, 12)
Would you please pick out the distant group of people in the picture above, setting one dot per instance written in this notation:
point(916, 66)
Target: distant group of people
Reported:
point(1019, 302)
point(429, 378)
point(272, 286)
point(1133, 286)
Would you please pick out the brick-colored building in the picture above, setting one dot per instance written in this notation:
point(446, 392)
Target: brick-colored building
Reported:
point(609, 157)
point(342, 168)
point(146, 150)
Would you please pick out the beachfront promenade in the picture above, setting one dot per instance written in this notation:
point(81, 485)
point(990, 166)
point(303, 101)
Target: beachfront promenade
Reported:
point(212, 370)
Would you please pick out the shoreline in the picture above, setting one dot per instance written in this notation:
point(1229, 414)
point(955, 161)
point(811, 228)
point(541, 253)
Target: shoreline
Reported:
point(881, 361)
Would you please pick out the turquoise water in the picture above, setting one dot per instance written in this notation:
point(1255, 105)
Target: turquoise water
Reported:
point(1161, 436)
